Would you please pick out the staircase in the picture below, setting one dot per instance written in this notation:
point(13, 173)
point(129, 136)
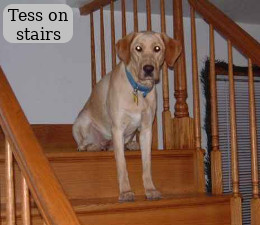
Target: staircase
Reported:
point(90, 182)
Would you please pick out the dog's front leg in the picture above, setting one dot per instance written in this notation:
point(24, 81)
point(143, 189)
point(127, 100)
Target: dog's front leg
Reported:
point(146, 144)
point(124, 186)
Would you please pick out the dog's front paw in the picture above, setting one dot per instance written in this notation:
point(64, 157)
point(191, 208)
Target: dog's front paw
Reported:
point(128, 196)
point(153, 194)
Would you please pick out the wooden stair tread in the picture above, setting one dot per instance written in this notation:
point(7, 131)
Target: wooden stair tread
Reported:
point(61, 153)
point(112, 205)
point(72, 153)
point(140, 203)
point(173, 209)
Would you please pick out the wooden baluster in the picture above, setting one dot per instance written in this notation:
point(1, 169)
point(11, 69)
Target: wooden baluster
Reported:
point(10, 201)
point(123, 18)
point(233, 127)
point(166, 114)
point(26, 218)
point(236, 210)
point(135, 6)
point(135, 10)
point(255, 202)
point(113, 45)
point(195, 79)
point(149, 28)
point(253, 129)
point(180, 83)
point(102, 40)
point(93, 54)
point(216, 163)
point(196, 105)
point(148, 15)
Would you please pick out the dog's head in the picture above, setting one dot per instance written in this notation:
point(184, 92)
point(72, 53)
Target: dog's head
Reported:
point(145, 53)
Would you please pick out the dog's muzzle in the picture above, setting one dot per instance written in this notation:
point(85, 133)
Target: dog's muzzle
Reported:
point(148, 70)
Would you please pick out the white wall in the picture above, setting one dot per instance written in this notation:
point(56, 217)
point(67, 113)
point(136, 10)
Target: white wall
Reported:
point(52, 81)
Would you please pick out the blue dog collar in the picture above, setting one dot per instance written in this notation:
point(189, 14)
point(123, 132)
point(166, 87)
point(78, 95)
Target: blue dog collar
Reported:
point(135, 85)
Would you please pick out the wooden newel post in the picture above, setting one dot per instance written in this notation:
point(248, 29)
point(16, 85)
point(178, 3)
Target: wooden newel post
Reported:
point(183, 125)
point(180, 83)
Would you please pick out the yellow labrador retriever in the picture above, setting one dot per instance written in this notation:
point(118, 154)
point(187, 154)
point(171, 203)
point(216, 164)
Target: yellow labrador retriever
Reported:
point(124, 101)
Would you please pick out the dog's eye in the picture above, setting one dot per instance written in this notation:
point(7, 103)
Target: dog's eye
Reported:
point(157, 48)
point(138, 48)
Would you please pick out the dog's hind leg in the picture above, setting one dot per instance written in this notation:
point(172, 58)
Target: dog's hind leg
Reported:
point(130, 144)
point(83, 135)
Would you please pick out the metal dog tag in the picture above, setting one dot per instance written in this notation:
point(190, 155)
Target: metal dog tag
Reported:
point(135, 96)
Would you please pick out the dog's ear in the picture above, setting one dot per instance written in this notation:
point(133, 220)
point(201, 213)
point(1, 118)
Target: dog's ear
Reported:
point(172, 49)
point(123, 47)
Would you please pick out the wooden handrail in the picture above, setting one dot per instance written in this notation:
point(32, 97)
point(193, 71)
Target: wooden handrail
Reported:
point(229, 29)
point(42, 182)
point(93, 6)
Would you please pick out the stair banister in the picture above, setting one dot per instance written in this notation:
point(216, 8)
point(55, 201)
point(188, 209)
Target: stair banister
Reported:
point(229, 29)
point(43, 184)
point(248, 46)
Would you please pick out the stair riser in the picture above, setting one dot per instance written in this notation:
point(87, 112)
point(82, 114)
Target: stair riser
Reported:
point(202, 215)
point(95, 177)
point(98, 178)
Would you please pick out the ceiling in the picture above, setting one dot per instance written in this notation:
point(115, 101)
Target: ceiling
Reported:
point(247, 11)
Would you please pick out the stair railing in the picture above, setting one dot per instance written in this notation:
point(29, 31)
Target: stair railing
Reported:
point(250, 48)
point(37, 175)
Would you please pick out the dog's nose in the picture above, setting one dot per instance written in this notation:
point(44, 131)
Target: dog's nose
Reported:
point(148, 69)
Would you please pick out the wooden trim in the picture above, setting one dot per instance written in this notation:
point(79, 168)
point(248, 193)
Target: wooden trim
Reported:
point(229, 29)
point(34, 165)
point(93, 6)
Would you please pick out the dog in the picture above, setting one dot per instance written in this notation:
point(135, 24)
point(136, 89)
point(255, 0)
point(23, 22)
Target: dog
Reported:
point(124, 102)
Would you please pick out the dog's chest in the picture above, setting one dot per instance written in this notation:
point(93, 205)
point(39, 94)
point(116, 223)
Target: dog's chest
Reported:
point(137, 114)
